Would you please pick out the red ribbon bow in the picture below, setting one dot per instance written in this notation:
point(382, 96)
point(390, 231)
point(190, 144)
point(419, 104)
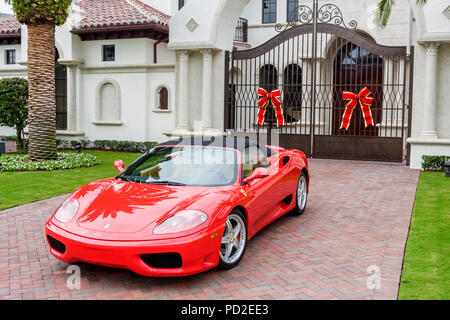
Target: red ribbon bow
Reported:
point(263, 102)
point(365, 99)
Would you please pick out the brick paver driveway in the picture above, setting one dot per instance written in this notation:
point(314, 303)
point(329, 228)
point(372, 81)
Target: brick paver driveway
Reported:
point(358, 216)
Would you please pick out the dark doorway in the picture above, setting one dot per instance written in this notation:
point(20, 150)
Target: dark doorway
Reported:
point(292, 96)
point(268, 80)
point(354, 69)
point(60, 94)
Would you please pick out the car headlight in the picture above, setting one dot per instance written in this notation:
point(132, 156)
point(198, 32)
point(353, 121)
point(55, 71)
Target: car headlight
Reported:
point(181, 221)
point(67, 211)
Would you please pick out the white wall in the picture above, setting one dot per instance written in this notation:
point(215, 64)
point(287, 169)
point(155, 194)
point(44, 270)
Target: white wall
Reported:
point(139, 80)
point(432, 27)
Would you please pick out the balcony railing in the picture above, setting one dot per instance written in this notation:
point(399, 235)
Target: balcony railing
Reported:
point(241, 34)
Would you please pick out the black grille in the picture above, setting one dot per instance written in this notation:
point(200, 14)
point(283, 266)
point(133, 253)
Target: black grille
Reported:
point(163, 260)
point(56, 245)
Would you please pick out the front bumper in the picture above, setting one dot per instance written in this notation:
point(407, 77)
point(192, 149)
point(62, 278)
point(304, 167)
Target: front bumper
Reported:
point(199, 252)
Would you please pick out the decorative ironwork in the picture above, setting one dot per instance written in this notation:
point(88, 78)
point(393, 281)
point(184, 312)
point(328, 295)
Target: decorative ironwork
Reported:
point(328, 13)
point(313, 65)
point(241, 33)
point(302, 13)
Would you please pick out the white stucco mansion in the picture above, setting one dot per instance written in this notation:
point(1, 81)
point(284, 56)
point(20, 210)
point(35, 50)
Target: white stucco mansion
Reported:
point(126, 71)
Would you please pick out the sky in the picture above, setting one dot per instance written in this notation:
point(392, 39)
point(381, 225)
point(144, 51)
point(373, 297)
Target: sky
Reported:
point(6, 8)
point(162, 5)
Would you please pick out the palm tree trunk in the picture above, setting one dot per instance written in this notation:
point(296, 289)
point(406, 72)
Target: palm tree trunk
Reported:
point(42, 105)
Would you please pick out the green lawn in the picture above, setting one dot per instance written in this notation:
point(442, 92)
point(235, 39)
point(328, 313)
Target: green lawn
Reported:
point(18, 188)
point(426, 269)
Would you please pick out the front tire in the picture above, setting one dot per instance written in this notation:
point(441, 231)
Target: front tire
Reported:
point(301, 197)
point(234, 240)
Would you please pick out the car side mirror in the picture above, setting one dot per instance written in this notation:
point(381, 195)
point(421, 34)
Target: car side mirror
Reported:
point(258, 173)
point(118, 164)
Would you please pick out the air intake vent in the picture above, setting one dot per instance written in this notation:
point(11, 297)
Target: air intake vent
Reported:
point(163, 260)
point(56, 245)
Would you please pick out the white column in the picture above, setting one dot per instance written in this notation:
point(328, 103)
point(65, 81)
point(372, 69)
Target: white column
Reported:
point(72, 97)
point(207, 90)
point(431, 75)
point(183, 126)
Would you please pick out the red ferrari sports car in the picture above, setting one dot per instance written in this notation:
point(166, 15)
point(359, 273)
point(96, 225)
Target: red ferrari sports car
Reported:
point(184, 207)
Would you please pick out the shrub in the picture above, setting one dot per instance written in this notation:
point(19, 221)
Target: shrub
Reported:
point(8, 138)
point(110, 145)
point(13, 105)
point(434, 163)
point(66, 160)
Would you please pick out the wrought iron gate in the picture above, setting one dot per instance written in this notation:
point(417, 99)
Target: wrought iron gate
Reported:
point(312, 61)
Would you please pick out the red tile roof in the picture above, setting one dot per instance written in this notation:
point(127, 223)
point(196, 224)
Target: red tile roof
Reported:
point(103, 13)
point(114, 13)
point(9, 25)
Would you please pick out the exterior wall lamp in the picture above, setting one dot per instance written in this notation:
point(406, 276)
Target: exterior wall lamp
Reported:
point(78, 147)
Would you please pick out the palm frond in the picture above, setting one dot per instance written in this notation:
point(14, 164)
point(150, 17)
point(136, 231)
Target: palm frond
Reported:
point(384, 12)
point(421, 2)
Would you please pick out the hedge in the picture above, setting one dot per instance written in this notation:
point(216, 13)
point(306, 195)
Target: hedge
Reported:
point(110, 145)
point(434, 163)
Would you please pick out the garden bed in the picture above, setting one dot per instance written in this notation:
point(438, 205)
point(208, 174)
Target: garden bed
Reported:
point(65, 161)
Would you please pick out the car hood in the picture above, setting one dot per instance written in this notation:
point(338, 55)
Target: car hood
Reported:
point(113, 206)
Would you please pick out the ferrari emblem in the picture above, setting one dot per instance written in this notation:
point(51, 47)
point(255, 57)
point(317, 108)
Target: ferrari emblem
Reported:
point(231, 239)
point(215, 235)
point(243, 192)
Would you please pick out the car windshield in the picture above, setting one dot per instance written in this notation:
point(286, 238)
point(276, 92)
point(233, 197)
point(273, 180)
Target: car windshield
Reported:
point(184, 165)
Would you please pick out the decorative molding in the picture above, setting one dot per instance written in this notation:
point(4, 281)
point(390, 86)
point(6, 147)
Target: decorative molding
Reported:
point(446, 12)
point(243, 45)
point(156, 108)
point(107, 123)
point(70, 63)
point(432, 48)
point(192, 25)
point(207, 54)
point(63, 133)
point(428, 141)
point(99, 103)
point(115, 69)
point(184, 55)
point(441, 37)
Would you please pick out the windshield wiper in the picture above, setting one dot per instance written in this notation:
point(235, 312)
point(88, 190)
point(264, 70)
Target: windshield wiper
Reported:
point(169, 183)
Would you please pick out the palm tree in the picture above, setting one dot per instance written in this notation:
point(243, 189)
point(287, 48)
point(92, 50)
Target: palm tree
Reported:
point(384, 11)
point(41, 17)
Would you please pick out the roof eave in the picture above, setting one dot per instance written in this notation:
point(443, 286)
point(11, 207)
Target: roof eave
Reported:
point(116, 28)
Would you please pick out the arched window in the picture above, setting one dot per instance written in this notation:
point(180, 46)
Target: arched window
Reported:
point(108, 102)
point(268, 77)
point(60, 93)
point(292, 84)
point(163, 96)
